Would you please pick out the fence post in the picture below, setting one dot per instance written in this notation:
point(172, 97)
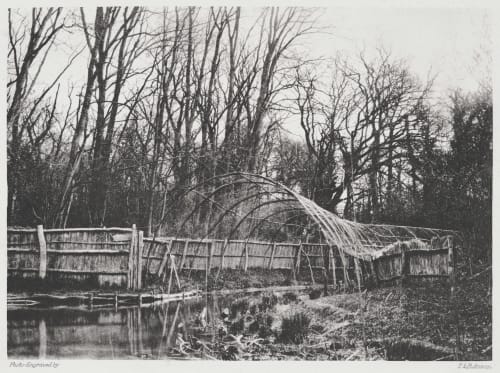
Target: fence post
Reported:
point(273, 250)
point(310, 267)
point(131, 259)
point(210, 254)
point(140, 248)
point(344, 267)
point(325, 250)
point(374, 271)
point(42, 245)
point(223, 251)
point(333, 266)
point(451, 261)
point(184, 250)
point(297, 259)
point(246, 257)
point(404, 264)
point(357, 268)
point(165, 259)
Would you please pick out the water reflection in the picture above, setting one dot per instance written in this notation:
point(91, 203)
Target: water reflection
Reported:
point(157, 332)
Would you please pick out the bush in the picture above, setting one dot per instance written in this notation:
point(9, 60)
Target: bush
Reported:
point(289, 297)
point(237, 327)
point(295, 328)
point(315, 294)
point(268, 302)
point(253, 309)
point(239, 307)
point(262, 325)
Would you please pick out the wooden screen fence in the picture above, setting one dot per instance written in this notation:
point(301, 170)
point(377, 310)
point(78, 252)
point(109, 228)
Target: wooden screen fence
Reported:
point(108, 255)
point(122, 257)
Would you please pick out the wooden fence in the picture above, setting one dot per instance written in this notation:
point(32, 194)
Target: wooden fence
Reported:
point(108, 255)
point(406, 260)
point(208, 254)
point(121, 257)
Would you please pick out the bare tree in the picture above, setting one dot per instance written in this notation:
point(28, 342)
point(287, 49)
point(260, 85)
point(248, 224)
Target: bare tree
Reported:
point(360, 123)
point(29, 41)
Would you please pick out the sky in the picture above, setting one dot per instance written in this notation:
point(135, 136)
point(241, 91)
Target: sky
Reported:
point(436, 41)
point(441, 40)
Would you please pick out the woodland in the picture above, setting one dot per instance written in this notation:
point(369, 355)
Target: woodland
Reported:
point(113, 112)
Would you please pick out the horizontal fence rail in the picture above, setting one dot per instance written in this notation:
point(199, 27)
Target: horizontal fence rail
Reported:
point(122, 257)
point(76, 254)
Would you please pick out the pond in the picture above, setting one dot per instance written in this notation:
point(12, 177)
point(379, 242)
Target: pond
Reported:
point(188, 329)
point(265, 325)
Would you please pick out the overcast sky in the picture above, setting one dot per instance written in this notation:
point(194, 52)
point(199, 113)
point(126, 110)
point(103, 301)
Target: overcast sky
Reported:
point(442, 41)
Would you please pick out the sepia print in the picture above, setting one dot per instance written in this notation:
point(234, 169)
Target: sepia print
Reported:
point(249, 183)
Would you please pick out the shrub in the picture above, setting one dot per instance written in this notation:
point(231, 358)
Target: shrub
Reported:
point(239, 306)
point(253, 309)
point(268, 302)
point(315, 294)
point(262, 325)
point(237, 327)
point(289, 297)
point(295, 328)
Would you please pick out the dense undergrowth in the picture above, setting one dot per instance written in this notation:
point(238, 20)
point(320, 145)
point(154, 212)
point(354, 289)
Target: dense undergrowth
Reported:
point(417, 322)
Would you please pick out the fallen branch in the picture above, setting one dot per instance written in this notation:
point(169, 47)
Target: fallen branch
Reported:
point(479, 274)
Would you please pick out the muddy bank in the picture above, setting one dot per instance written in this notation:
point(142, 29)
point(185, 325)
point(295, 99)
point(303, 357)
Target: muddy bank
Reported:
point(393, 323)
point(227, 279)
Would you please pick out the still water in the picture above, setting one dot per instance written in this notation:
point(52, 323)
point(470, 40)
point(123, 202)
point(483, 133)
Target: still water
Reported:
point(125, 333)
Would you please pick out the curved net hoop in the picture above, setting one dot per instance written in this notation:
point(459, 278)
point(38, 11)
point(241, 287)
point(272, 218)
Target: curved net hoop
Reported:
point(256, 194)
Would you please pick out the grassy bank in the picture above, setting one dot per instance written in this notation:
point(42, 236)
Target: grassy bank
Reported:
point(412, 323)
point(232, 279)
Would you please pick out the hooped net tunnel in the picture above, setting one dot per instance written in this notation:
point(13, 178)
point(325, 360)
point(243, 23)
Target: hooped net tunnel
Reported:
point(239, 205)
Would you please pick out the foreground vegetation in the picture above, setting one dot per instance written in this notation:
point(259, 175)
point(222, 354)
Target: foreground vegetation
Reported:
point(420, 322)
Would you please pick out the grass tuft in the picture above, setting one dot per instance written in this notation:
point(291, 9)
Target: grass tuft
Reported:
point(295, 328)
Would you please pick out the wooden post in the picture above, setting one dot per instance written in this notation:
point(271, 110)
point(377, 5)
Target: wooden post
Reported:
point(170, 275)
point(326, 267)
point(451, 279)
point(297, 259)
point(148, 260)
point(451, 261)
point(165, 258)
point(246, 257)
point(344, 267)
point(357, 268)
point(273, 250)
point(140, 249)
point(42, 245)
point(184, 250)
point(333, 266)
point(172, 263)
point(310, 268)
point(374, 271)
point(131, 259)
point(223, 250)
point(404, 264)
point(210, 255)
point(207, 270)
point(293, 257)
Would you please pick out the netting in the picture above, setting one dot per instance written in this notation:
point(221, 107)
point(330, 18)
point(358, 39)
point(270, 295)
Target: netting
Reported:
point(255, 200)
